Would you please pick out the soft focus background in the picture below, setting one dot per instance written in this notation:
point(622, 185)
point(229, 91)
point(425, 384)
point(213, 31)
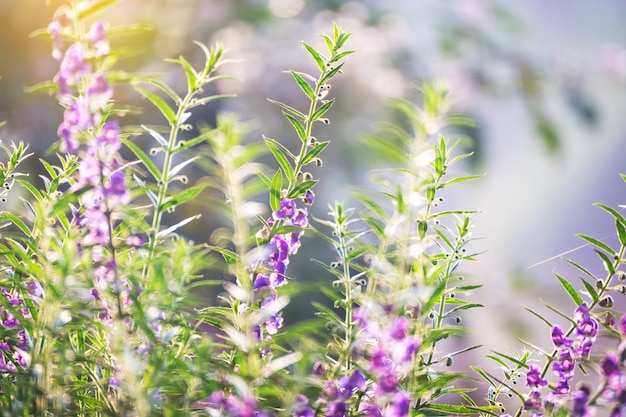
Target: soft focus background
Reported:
point(545, 82)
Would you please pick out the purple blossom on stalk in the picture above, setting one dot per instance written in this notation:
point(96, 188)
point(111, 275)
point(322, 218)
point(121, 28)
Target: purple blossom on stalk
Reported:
point(15, 344)
point(533, 377)
point(269, 273)
point(387, 348)
point(579, 405)
point(230, 405)
point(97, 142)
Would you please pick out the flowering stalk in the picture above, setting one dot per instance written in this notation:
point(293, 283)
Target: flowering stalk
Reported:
point(567, 351)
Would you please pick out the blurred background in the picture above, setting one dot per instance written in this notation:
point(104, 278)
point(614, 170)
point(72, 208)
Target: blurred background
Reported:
point(545, 81)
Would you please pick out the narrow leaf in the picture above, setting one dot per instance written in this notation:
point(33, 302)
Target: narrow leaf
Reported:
point(302, 188)
point(190, 73)
point(322, 109)
point(165, 88)
point(276, 190)
point(598, 243)
point(613, 212)
point(608, 264)
point(288, 109)
point(184, 196)
point(330, 74)
point(621, 232)
point(590, 289)
point(296, 125)
point(147, 162)
point(180, 166)
point(316, 56)
point(573, 293)
point(458, 180)
point(317, 149)
point(156, 135)
point(540, 317)
point(281, 158)
point(167, 112)
point(303, 85)
point(177, 226)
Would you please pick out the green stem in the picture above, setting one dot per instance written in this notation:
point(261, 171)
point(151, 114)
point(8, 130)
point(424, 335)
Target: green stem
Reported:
point(164, 183)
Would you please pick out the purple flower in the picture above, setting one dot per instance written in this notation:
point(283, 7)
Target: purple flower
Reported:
point(399, 407)
point(286, 211)
point(73, 66)
point(97, 35)
point(587, 326)
point(564, 366)
point(559, 339)
point(579, 406)
point(533, 377)
point(622, 325)
point(301, 407)
point(349, 384)
point(534, 403)
point(99, 93)
point(337, 409)
point(309, 197)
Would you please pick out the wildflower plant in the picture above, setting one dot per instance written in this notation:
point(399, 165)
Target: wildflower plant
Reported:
point(105, 306)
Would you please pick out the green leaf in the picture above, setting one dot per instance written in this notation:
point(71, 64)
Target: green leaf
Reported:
point(288, 109)
point(153, 198)
point(147, 162)
point(598, 243)
point(47, 87)
point(167, 112)
point(371, 204)
point(180, 166)
point(316, 150)
point(329, 44)
point(613, 212)
point(322, 109)
point(177, 226)
point(581, 269)
point(296, 125)
point(278, 151)
point(621, 232)
point(184, 196)
point(330, 74)
point(457, 409)
point(512, 359)
point(573, 293)
point(32, 189)
point(319, 59)
point(302, 188)
point(590, 289)
point(17, 221)
point(165, 88)
point(94, 7)
point(303, 85)
point(276, 190)
point(457, 180)
point(462, 307)
point(190, 73)
point(341, 55)
point(540, 317)
point(204, 100)
point(608, 264)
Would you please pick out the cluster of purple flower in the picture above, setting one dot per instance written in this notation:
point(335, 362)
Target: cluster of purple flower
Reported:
point(85, 94)
point(270, 272)
point(15, 343)
point(614, 373)
point(388, 347)
point(569, 352)
point(230, 405)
